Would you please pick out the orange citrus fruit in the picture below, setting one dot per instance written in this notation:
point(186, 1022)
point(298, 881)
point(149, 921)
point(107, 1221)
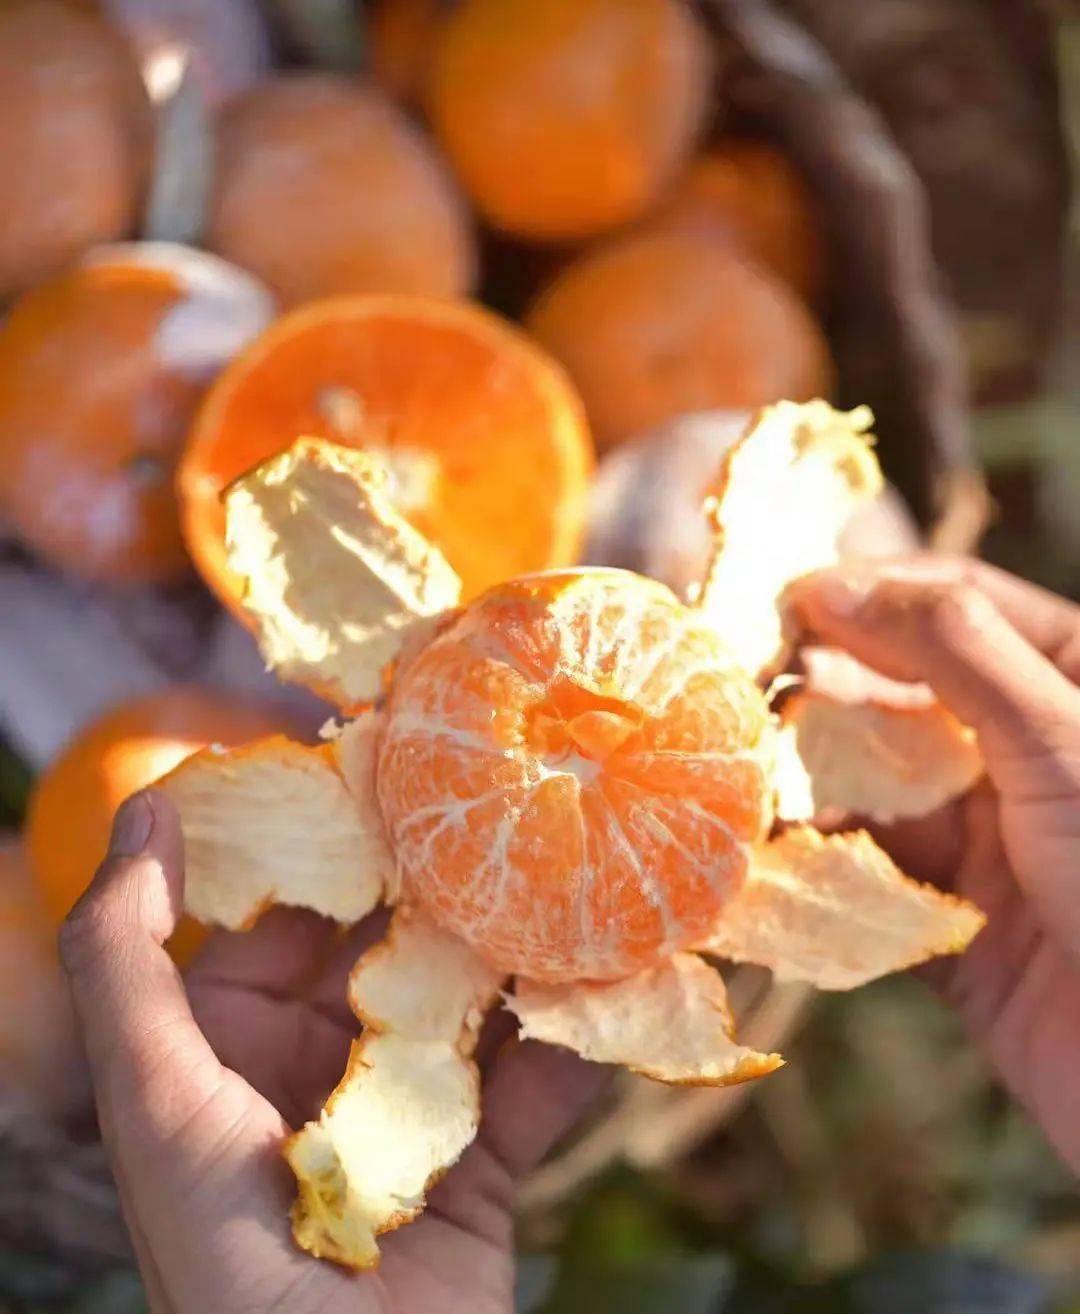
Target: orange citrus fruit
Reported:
point(568, 117)
point(666, 322)
point(571, 773)
point(74, 138)
point(72, 806)
point(750, 193)
point(101, 369)
point(325, 187)
point(484, 436)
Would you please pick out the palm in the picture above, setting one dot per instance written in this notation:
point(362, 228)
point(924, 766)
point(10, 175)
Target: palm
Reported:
point(272, 1004)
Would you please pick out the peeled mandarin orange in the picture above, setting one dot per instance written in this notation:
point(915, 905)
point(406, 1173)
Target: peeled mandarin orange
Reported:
point(750, 193)
point(567, 118)
point(101, 369)
point(487, 446)
point(74, 138)
point(664, 322)
point(325, 187)
point(571, 774)
point(74, 800)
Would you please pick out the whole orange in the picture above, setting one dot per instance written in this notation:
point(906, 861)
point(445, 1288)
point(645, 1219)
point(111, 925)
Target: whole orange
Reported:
point(750, 193)
point(324, 187)
point(74, 800)
point(101, 369)
point(667, 322)
point(74, 137)
point(568, 117)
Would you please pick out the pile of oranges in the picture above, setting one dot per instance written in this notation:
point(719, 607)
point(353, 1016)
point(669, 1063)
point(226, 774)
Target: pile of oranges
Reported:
point(345, 225)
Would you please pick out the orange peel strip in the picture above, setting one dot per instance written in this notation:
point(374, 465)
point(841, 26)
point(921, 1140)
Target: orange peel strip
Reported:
point(409, 1102)
point(334, 578)
point(872, 760)
point(785, 492)
point(272, 822)
point(836, 912)
point(671, 1022)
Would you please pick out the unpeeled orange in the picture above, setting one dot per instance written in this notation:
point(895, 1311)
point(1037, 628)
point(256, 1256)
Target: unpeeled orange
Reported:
point(568, 117)
point(72, 806)
point(484, 436)
point(74, 137)
point(665, 321)
point(101, 369)
point(325, 187)
point(749, 193)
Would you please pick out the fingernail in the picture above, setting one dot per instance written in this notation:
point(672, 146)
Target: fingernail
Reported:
point(132, 827)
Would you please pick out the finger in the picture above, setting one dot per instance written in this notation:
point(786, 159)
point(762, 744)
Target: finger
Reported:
point(950, 634)
point(533, 1096)
point(283, 951)
point(150, 1063)
point(1049, 623)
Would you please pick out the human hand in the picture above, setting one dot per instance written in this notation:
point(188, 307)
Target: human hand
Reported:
point(1004, 656)
point(196, 1088)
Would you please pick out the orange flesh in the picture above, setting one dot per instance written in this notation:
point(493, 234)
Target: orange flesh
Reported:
point(571, 773)
point(483, 431)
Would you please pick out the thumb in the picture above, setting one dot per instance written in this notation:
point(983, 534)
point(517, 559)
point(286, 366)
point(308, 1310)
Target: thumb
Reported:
point(149, 1061)
point(918, 623)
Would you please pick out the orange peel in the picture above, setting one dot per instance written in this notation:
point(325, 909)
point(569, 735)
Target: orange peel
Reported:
point(809, 467)
point(273, 823)
point(571, 782)
point(334, 576)
point(671, 1022)
point(409, 1103)
point(836, 911)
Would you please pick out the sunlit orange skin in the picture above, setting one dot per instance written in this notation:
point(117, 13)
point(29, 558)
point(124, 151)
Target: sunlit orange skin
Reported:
point(666, 322)
point(750, 193)
point(91, 424)
point(401, 35)
point(325, 187)
point(567, 118)
point(74, 800)
point(571, 773)
point(437, 379)
point(75, 138)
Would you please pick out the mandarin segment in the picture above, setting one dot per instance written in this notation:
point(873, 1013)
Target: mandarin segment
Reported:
point(811, 467)
point(670, 1022)
point(334, 579)
point(836, 912)
point(484, 437)
point(409, 1102)
point(549, 796)
point(273, 823)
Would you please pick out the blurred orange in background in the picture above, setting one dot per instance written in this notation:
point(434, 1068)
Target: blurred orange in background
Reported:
point(401, 36)
point(567, 118)
point(73, 802)
point(665, 322)
point(749, 193)
point(324, 187)
point(100, 372)
point(75, 137)
point(484, 436)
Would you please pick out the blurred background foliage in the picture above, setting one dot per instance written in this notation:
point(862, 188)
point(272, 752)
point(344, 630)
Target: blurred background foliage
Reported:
point(883, 1170)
